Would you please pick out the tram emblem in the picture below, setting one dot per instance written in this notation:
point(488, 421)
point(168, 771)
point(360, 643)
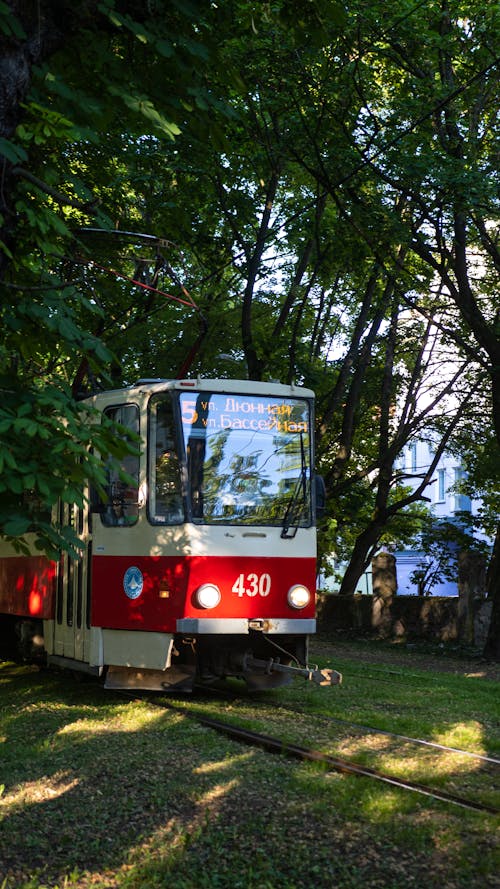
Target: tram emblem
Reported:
point(133, 582)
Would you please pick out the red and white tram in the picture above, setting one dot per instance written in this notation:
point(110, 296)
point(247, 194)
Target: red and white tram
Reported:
point(205, 567)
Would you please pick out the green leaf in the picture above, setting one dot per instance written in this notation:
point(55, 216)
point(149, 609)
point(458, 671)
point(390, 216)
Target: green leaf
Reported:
point(14, 153)
point(140, 104)
point(165, 48)
point(24, 409)
point(114, 17)
point(42, 486)
point(6, 424)
point(5, 249)
point(17, 526)
point(9, 459)
point(9, 23)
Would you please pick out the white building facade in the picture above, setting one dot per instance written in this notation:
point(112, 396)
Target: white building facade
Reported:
point(444, 501)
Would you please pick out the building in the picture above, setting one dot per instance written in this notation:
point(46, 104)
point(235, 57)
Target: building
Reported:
point(444, 502)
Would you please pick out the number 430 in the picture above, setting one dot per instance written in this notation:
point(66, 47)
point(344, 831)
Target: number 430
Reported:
point(252, 585)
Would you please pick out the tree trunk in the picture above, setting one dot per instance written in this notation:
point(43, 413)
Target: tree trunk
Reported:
point(360, 559)
point(492, 646)
point(254, 363)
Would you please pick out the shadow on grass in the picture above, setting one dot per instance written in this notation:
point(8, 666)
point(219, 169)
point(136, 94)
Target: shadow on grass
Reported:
point(102, 793)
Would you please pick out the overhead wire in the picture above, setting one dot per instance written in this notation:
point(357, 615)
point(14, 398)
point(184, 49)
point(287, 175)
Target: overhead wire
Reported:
point(142, 284)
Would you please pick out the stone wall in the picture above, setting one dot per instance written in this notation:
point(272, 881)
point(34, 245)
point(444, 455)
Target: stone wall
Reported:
point(436, 619)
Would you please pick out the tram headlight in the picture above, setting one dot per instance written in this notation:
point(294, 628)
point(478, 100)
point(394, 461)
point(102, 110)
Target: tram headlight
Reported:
point(207, 595)
point(298, 596)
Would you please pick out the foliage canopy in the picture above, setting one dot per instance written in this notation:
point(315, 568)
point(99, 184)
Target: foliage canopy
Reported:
point(322, 177)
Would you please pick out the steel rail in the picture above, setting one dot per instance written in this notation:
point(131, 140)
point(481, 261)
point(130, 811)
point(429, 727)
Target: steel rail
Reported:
point(483, 757)
point(277, 745)
point(434, 744)
point(296, 751)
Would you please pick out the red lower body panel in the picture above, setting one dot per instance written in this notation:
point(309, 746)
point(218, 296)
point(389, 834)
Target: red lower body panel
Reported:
point(153, 592)
point(27, 585)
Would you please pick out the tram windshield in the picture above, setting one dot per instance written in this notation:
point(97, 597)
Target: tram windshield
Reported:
point(248, 458)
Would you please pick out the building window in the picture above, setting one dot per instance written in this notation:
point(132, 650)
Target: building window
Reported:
point(462, 502)
point(441, 491)
point(413, 457)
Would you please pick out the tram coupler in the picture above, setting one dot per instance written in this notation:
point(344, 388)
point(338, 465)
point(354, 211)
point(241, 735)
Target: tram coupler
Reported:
point(273, 665)
point(325, 677)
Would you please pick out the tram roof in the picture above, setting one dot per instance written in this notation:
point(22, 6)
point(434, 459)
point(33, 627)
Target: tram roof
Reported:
point(242, 387)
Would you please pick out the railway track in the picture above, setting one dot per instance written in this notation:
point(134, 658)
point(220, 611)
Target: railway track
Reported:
point(358, 726)
point(398, 737)
point(334, 763)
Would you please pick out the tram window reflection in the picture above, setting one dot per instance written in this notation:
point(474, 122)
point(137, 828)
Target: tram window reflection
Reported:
point(166, 504)
point(248, 458)
point(122, 507)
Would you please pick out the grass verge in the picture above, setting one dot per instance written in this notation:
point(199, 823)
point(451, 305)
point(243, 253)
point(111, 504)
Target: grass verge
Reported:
point(99, 792)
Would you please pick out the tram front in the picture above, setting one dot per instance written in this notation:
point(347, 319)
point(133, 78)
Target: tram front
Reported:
point(227, 567)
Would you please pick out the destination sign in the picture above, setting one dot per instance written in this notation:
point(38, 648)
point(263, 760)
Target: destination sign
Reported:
point(217, 412)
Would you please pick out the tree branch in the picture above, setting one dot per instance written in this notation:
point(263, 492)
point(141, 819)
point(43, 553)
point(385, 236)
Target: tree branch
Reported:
point(63, 199)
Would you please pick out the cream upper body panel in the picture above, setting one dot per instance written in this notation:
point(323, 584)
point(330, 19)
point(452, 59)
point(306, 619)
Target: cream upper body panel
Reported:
point(144, 539)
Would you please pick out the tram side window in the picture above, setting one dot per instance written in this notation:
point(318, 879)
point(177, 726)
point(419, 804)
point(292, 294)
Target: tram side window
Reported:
point(122, 506)
point(165, 487)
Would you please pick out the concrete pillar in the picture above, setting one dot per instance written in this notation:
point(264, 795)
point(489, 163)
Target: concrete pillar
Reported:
point(471, 587)
point(385, 587)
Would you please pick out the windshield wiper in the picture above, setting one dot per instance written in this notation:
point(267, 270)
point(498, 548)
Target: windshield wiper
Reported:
point(289, 530)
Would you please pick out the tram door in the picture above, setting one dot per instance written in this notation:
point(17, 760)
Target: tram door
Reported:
point(72, 613)
point(115, 523)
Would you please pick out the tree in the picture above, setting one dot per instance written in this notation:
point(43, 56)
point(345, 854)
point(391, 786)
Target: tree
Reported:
point(70, 72)
point(301, 115)
point(416, 125)
point(327, 175)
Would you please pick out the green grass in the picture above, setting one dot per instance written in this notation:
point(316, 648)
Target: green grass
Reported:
point(100, 792)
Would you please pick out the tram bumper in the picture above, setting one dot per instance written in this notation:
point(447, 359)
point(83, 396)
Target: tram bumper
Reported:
point(197, 626)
